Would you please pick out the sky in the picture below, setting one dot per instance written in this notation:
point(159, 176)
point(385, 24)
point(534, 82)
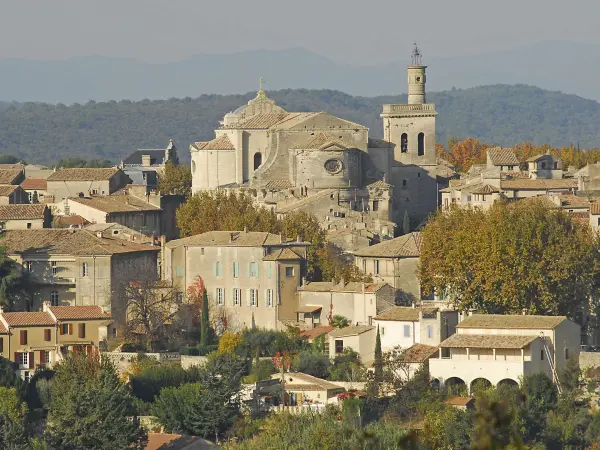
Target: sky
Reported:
point(349, 31)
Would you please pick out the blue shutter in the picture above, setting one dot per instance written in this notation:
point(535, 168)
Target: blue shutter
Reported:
point(214, 269)
point(249, 270)
point(268, 270)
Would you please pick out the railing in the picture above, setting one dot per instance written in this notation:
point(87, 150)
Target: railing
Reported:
point(424, 107)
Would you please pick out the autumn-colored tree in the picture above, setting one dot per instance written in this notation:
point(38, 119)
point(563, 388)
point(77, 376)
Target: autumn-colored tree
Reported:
point(229, 342)
point(463, 154)
point(175, 179)
point(515, 256)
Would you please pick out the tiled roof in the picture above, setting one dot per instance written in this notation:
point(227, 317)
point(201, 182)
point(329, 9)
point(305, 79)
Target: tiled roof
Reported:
point(297, 381)
point(378, 143)
point(539, 184)
point(157, 157)
point(279, 184)
point(79, 312)
point(5, 191)
point(404, 313)
point(60, 241)
point(8, 176)
point(232, 239)
point(502, 156)
point(22, 212)
point(164, 441)
point(487, 341)
point(419, 353)
point(595, 208)
point(459, 401)
point(537, 157)
point(315, 332)
point(574, 200)
point(379, 184)
point(329, 286)
point(3, 329)
point(259, 121)
point(293, 119)
point(308, 308)
point(34, 183)
point(12, 166)
point(115, 203)
point(321, 141)
point(83, 174)
point(282, 254)
point(408, 245)
point(317, 286)
point(69, 220)
point(515, 321)
point(485, 189)
point(352, 330)
point(220, 143)
point(22, 319)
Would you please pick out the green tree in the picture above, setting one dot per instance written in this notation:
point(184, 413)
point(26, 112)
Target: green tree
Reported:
point(315, 364)
point(592, 433)
point(13, 413)
point(35, 199)
point(347, 367)
point(516, 256)
point(176, 180)
point(10, 159)
point(445, 428)
point(204, 325)
point(540, 396)
point(493, 424)
point(406, 223)
point(378, 361)
point(339, 321)
point(91, 408)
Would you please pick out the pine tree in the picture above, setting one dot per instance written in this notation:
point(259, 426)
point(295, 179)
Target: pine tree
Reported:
point(378, 363)
point(204, 329)
point(406, 223)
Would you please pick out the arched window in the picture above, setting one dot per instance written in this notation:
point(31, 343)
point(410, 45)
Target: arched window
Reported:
point(404, 143)
point(421, 144)
point(54, 298)
point(257, 160)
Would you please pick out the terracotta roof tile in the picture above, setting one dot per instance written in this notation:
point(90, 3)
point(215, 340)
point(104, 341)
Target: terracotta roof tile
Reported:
point(22, 212)
point(419, 353)
point(282, 254)
point(79, 312)
point(232, 239)
point(487, 341)
point(8, 176)
point(220, 143)
point(83, 174)
point(3, 329)
point(259, 121)
point(23, 319)
point(115, 203)
point(322, 141)
point(5, 191)
point(70, 220)
point(315, 332)
point(408, 245)
point(595, 208)
point(34, 183)
point(515, 321)
point(328, 286)
point(352, 330)
point(279, 184)
point(404, 313)
point(460, 401)
point(502, 156)
point(537, 157)
point(539, 184)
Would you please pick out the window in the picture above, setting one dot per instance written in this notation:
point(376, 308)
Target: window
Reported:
point(44, 357)
point(23, 337)
point(47, 335)
point(383, 331)
point(404, 183)
point(81, 330)
point(236, 270)
point(253, 269)
point(257, 160)
point(220, 296)
point(406, 330)
point(339, 346)
point(289, 271)
point(541, 355)
point(29, 225)
point(555, 165)
point(543, 164)
point(114, 332)
point(54, 298)
point(418, 79)
point(1, 345)
point(29, 265)
point(376, 267)
point(269, 297)
point(54, 268)
point(94, 191)
point(469, 198)
point(404, 143)
point(375, 205)
point(370, 319)
point(421, 144)
point(23, 359)
point(237, 297)
point(253, 297)
point(64, 328)
point(84, 269)
point(429, 331)
point(566, 353)
point(27, 376)
point(483, 197)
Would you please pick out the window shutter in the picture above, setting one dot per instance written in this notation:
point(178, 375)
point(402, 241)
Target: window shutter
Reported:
point(47, 335)
point(1, 345)
point(71, 328)
point(233, 297)
point(31, 360)
point(249, 270)
point(61, 329)
point(266, 297)
point(248, 298)
point(82, 330)
point(215, 297)
point(214, 269)
point(268, 270)
point(42, 357)
point(257, 269)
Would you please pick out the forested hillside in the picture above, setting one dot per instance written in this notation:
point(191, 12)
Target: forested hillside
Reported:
point(499, 114)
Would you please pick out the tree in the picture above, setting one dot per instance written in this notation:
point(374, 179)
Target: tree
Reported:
point(35, 199)
point(406, 223)
point(493, 424)
point(314, 364)
point(347, 367)
point(516, 256)
point(540, 396)
point(229, 342)
point(175, 180)
point(378, 362)
point(91, 408)
point(339, 321)
point(445, 427)
point(13, 413)
point(204, 329)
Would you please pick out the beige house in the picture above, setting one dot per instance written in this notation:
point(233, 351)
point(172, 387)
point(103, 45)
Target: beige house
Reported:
point(402, 327)
point(41, 339)
point(75, 267)
point(357, 302)
point(12, 174)
point(495, 349)
point(394, 262)
point(360, 338)
point(65, 183)
point(303, 389)
point(251, 277)
point(25, 217)
point(12, 195)
point(35, 186)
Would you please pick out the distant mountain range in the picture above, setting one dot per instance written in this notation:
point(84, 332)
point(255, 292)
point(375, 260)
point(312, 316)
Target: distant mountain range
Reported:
point(563, 66)
point(499, 114)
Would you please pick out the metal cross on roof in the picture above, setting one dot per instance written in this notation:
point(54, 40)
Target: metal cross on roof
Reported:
point(416, 56)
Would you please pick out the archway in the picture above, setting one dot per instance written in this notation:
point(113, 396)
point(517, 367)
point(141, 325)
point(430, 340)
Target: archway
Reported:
point(479, 384)
point(404, 143)
point(257, 160)
point(455, 386)
point(421, 144)
point(435, 384)
point(508, 382)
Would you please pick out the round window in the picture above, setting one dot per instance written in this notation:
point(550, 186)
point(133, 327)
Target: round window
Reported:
point(333, 165)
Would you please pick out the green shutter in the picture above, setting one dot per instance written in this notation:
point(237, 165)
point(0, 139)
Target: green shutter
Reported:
point(214, 269)
point(268, 270)
point(248, 270)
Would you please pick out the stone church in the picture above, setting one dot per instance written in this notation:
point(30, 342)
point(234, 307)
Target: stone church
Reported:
point(327, 165)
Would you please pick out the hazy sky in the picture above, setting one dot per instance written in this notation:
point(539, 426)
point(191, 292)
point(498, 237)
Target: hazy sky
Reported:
point(354, 31)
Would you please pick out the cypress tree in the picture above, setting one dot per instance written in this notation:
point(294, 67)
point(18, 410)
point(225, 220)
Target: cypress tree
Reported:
point(35, 199)
point(204, 320)
point(406, 223)
point(378, 363)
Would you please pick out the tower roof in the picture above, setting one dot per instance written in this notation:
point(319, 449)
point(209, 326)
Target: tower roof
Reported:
point(416, 56)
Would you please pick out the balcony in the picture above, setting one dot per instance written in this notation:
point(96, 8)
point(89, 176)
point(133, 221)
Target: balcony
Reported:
point(471, 369)
point(426, 109)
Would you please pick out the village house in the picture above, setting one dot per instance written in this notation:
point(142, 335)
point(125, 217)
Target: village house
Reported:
point(71, 267)
point(303, 389)
point(402, 327)
point(13, 195)
point(251, 277)
point(144, 166)
point(80, 182)
point(496, 349)
point(25, 217)
point(394, 262)
point(35, 188)
point(12, 174)
point(360, 338)
point(357, 302)
point(41, 339)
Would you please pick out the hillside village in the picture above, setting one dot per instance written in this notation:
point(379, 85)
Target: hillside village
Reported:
point(104, 264)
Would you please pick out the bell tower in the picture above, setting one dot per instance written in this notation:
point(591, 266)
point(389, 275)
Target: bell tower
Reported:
point(410, 130)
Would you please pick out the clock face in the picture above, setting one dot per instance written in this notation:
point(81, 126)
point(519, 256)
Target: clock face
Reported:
point(333, 165)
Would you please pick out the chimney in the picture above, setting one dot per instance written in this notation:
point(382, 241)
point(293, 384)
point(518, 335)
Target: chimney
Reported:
point(45, 306)
point(282, 238)
point(298, 238)
point(99, 234)
point(146, 161)
point(245, 229)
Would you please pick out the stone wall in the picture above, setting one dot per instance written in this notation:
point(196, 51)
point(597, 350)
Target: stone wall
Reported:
point(191, 361)
point(589, 360)
point(123, 360)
